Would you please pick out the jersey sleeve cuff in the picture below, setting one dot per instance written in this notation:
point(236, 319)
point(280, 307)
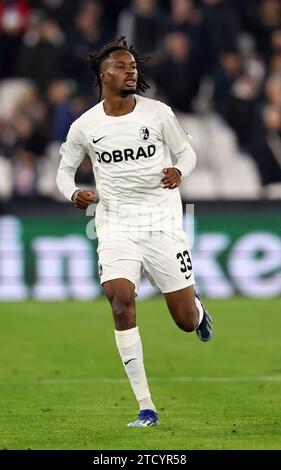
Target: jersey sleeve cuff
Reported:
point(180, 169)
point(72, 193)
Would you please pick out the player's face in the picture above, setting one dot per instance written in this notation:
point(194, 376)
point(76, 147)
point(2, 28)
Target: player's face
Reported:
point(120, 73)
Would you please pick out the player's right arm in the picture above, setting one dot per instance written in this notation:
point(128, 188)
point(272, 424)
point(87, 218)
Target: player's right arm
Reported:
point(73, 151)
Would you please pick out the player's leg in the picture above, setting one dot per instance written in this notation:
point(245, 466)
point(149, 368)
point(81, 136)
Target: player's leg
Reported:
point(121, 295)
point(189, 312)
point(182, 307)
point(168, 262)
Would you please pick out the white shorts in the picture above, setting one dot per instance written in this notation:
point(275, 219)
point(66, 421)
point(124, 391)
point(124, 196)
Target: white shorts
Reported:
point(164, 258)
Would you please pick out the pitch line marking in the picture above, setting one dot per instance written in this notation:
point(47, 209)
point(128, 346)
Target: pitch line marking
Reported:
point(73, 381)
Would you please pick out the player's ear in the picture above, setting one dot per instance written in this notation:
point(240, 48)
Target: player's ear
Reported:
point(103, 77)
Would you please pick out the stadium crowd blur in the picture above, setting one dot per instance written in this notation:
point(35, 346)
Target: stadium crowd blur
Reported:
point(217, 63)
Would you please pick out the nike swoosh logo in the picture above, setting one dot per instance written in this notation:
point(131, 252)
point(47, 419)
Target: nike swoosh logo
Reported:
point(187, 277)
point(129, 360)
point(97, 140)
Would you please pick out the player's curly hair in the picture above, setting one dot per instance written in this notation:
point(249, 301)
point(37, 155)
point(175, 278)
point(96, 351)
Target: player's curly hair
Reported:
point(95, 60)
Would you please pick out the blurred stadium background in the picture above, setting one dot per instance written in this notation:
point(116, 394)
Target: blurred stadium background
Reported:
point(218, 64)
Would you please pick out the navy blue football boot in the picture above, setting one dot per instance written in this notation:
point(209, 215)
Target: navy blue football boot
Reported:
point(145, 418)
point(205, 329)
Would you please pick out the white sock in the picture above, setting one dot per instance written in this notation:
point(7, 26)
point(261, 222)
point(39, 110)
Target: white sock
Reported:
point(130, 349)
point(200, 310)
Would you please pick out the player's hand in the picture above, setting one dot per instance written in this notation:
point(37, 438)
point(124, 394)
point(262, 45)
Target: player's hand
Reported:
point(82, 199)
point(171, 178)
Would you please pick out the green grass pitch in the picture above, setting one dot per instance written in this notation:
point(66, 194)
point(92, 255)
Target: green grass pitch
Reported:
point(62, 384)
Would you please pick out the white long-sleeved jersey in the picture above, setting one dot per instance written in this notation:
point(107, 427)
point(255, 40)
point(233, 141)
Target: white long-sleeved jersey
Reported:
point(129, 154)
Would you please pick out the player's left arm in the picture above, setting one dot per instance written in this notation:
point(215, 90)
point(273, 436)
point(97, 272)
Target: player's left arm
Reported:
point(178, 142)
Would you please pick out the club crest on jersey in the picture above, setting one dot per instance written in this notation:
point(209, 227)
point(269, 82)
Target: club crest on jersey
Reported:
point(144, 133)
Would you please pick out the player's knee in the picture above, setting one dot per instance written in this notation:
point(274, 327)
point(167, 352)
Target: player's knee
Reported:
point(123, 310)
point(122, 300)
point(120, 307)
